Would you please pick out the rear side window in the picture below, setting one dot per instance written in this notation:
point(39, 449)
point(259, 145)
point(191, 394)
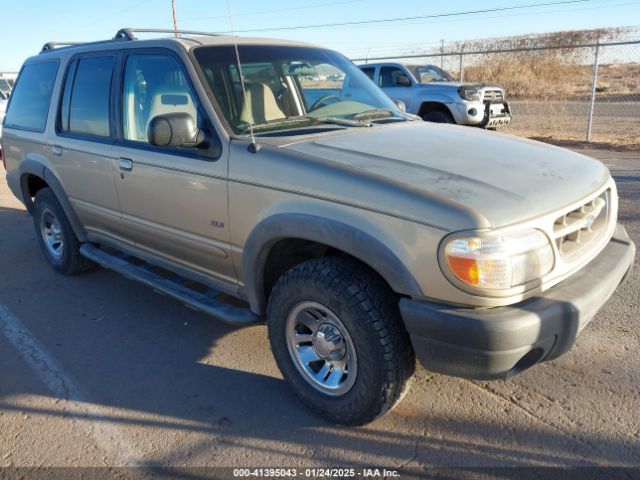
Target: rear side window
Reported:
point(29, 105)
point(369, 71)
point(86, 97)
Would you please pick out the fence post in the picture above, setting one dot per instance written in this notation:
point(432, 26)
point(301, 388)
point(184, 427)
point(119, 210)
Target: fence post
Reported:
point(594, 82)
point(461, 71)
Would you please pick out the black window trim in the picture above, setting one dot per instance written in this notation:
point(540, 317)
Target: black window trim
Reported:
point(207, 88)
point(75, 59)
point(119, 139)
point(53, 91)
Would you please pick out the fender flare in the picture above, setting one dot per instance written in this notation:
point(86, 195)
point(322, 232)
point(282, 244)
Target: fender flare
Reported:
point(332, 233)
point(443, 100)
point(31, 166)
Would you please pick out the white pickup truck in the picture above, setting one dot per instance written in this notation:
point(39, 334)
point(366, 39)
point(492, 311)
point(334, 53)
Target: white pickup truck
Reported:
point(6, 84)
point(3, 108)
point(431, 93)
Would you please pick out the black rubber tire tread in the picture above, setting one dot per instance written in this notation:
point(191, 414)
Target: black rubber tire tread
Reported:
point(369, 310)
point(71, 262)
point(437, 116)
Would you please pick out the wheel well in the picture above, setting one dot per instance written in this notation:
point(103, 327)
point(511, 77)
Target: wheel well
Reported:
point(427, 107)
point(31, 184)
point(34, 184)
point(287, 253)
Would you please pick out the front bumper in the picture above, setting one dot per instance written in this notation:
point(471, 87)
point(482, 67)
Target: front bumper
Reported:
point(500, 342)
point(484, 115)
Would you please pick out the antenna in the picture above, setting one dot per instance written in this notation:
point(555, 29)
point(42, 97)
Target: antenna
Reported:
point(253, 147)
point(175, 21)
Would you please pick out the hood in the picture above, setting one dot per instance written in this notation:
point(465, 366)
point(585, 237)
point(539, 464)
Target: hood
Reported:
point(503, 178)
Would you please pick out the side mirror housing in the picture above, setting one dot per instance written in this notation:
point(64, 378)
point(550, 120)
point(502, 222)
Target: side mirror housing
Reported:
point(401, 106)
point(176, 129)
point(403, 81)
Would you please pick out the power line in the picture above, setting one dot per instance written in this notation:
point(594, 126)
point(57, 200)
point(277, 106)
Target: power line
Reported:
point(418, 17)
point(265, 12)
point(115, 14)
point(359, 51)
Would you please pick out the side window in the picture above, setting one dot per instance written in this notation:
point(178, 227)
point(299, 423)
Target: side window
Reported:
point(390, 76)
point(86, 97)
point(369, 71)
point(29, 105)
point(153, 85)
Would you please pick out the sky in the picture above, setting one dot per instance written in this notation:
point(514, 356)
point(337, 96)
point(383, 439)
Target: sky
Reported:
point(25, 25)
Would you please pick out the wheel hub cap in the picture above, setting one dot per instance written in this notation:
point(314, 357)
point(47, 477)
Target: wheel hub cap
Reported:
point(329, 343)
point(51, 232)
point(321, 348)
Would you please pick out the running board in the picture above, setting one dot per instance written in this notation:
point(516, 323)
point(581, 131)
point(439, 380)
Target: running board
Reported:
point(203, 299)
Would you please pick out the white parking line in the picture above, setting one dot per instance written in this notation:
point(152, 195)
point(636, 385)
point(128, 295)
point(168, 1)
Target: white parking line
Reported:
point(91, 417)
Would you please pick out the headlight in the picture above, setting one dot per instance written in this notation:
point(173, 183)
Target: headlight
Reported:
point(470, 93)
point(499, 261)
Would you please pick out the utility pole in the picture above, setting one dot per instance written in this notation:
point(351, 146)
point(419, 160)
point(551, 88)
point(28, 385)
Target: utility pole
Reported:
point(175, 22)
point(441, 53)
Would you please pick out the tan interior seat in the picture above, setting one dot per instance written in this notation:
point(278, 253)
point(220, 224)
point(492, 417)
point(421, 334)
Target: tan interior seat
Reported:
point(260, 105)
point(172, 100)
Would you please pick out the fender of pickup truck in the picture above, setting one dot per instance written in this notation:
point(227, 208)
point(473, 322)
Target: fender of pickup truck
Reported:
point(440, 99)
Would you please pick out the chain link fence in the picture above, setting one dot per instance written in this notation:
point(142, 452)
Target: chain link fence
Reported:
point(568, 86)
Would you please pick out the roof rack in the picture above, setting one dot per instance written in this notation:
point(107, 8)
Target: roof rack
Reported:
point(129, 33)
point(125, 34)
point(51, 45)
point(47, 47)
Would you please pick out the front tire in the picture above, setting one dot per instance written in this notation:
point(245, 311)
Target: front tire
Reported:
point(338, 339)
point(57, 240)
point(437, 116)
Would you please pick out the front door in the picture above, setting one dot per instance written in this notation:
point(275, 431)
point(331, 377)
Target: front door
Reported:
point(173, 200)
point(392, 81)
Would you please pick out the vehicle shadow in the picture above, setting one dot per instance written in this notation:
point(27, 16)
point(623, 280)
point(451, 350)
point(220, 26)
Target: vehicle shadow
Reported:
point(157, 365)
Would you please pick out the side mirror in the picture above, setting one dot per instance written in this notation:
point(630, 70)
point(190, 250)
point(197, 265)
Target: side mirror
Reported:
point(177, 129)
point(401, 106)
point(403, 81)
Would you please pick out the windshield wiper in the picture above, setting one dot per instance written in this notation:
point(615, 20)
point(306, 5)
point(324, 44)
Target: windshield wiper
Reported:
point(343, 122)
point(293, 122)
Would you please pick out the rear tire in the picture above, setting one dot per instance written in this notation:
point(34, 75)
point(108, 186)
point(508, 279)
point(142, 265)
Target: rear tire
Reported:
point(57, 240)
point(373, 349)
point(437, 116)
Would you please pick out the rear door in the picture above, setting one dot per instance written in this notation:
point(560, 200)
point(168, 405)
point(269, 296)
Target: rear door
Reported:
point(173, 200)
point(82, 140)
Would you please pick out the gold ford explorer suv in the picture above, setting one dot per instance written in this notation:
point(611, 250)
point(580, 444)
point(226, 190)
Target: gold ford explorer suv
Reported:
point(218, 170)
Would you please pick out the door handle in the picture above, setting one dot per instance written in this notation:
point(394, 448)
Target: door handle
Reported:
point(56, 150)
point(125, 164)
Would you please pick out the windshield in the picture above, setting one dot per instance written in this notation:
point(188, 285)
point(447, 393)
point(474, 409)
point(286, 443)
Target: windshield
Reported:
point(430, 73)
point(290, 87)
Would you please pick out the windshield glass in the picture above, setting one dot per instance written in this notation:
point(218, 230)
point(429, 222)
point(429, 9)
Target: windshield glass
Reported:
point(290, 87)
point(430, 73)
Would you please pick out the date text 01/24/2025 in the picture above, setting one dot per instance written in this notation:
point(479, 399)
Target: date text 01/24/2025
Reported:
point(315, 472)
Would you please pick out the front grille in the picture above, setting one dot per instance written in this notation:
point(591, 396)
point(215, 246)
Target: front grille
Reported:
point(576, 230)
point(493, 96)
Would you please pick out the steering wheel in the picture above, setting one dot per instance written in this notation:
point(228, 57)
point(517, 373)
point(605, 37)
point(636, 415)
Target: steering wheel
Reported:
point(322, 100)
